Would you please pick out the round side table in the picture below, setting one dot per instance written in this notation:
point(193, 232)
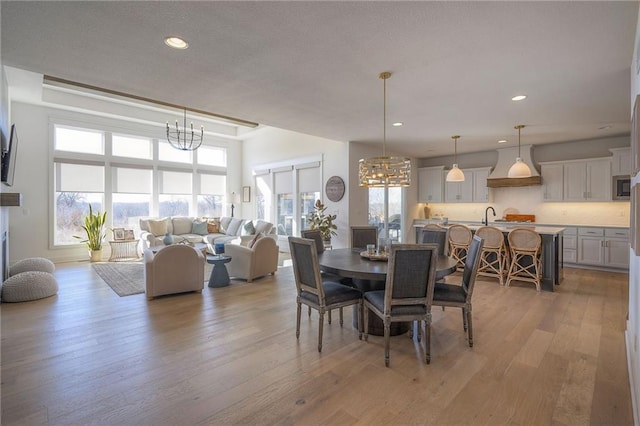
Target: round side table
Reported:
point(219, 274)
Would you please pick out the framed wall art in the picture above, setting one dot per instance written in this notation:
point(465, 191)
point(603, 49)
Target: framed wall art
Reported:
point(246, 194)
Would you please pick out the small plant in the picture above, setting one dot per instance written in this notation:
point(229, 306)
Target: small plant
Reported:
point(322, 221)
point(94, 227)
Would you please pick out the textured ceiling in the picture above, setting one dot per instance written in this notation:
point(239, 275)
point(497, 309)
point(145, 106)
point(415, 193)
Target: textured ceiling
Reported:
point(313, 67)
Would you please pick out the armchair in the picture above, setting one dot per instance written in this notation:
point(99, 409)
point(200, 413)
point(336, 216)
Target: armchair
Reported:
point(251, 262)
point(173, 269)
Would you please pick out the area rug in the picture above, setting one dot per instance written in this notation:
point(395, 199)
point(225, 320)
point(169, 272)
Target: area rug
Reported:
point(127, 278)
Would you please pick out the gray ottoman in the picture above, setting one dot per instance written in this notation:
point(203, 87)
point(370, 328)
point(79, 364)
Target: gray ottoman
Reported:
point(32, 264)
point(30, 285)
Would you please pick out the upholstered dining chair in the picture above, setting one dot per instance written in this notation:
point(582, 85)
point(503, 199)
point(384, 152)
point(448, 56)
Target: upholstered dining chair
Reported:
point(526, 265)
point(363, 235)
point(408, 292)
point(459, 295)
point(315, 235)
point(313, 291)
point(459, 240)
point(494, 259)
point(437, 236)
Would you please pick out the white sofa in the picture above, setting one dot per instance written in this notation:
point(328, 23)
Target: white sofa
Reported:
point(182, 228)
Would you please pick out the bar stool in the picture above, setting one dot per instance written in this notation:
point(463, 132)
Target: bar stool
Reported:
point(494, 259)
point(459, 240)
point(526, 264)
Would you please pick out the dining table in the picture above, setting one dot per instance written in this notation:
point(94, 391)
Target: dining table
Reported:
point(370, 274)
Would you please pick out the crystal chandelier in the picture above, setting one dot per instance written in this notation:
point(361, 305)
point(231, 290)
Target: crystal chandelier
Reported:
point(384, 171)
point(455, 174)
point(184, 139)
point(519, 168)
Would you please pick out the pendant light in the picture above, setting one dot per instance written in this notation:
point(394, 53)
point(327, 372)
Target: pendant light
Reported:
point(384, 172)
point(519, 168)
point(455, 174)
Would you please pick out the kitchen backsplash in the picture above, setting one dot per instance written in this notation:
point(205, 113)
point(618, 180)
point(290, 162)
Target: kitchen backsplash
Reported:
point(528, 200)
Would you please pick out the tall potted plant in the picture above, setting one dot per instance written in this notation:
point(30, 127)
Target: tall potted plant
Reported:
point(94, 227)
point(322, 221)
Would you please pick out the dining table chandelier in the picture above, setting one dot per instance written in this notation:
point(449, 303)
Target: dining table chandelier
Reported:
point(385, 171)
point(185, 139)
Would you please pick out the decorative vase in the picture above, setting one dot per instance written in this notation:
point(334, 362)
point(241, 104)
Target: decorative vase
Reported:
point(95, 255)
point(168, 239)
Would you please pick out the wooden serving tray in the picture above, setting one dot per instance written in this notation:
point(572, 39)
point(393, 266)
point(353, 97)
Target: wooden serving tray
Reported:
point(520, 217)
point(366, 255)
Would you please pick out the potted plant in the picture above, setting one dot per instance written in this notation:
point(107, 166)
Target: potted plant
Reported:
point(322, 221)
point(94, 227)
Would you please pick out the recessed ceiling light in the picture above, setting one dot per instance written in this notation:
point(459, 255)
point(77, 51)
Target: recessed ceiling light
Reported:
point(397, 124)
point(502, 141)
point(176, 42)
point(519, 98)
point(608, 126)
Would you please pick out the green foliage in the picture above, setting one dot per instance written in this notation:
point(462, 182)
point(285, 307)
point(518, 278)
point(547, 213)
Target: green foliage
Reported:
point(94, 227)
point(322, 221)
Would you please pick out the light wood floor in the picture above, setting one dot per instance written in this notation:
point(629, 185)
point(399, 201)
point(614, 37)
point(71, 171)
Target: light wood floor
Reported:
point(230, 356)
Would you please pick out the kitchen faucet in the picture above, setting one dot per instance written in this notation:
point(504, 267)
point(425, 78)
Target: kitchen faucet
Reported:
point(486, 215)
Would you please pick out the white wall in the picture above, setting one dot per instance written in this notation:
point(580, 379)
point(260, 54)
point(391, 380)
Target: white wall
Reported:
point(633, 324)
point(271, 145)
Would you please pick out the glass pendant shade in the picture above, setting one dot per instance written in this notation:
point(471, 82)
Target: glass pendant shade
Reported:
point(519, 168)
point(455, 174)
point(384, 171)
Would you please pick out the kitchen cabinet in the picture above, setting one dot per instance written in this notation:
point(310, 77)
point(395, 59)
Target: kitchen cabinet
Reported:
point(552, 182)
point(570, 247)
point(587, 180)
point(430, 189)
point(621, 161)
point(607, 247)
point(472, 190)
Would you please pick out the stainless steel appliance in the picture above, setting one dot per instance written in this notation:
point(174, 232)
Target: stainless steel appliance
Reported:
point(621, 188)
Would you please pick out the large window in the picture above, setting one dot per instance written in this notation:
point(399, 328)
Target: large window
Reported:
point(130, 176)
point(376, 212)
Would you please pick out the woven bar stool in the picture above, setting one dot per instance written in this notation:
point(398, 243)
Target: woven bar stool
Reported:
point(459, 240)
point(526, 264)
point(494, 259)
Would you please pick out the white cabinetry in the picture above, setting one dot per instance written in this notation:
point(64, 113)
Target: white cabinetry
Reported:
point(603, 247)
point(588, 180)
point(621, 161)
point(552, 182)
point(430, 184)
point(472, 190)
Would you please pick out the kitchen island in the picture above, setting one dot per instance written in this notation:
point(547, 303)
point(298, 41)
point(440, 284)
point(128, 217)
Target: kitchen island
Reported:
point(552, 246)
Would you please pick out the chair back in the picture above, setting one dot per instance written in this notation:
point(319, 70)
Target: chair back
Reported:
point(411, 275)
point(363, 235)
point(435, 236)
point(460, 235)
point(315, 235)
point(524, 239)
point(492, 236)
point(306, 270)
point(471, 265)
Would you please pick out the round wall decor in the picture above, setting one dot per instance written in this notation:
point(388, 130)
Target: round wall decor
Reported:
point(334, 188)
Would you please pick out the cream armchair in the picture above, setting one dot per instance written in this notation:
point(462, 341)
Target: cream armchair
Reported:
point(249, 263)
point(173, 269)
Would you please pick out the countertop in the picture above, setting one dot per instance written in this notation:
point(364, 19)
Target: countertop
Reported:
point(422, 222)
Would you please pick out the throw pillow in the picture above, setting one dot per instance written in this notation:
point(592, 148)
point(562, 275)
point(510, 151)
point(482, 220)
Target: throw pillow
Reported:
point(199, 228)
point(212, 226)
point(249, 228)
point(158, 227)
point(254, 239)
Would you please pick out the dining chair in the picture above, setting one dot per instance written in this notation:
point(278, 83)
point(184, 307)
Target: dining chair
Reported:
point(526, 264)
point(459, 295)
point(437, 236)
point(363, 235)
point(408, 291)
point(494, 259)
point(313, 291)
point(459, 239)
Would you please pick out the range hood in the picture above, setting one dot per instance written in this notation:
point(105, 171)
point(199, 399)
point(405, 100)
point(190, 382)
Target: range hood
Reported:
point(506, 157)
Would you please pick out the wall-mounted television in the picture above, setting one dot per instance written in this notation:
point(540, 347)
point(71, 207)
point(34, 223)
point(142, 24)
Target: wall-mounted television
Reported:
point(9, 158)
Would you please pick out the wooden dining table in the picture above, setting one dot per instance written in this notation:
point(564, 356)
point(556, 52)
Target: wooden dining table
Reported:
point(371, 275)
